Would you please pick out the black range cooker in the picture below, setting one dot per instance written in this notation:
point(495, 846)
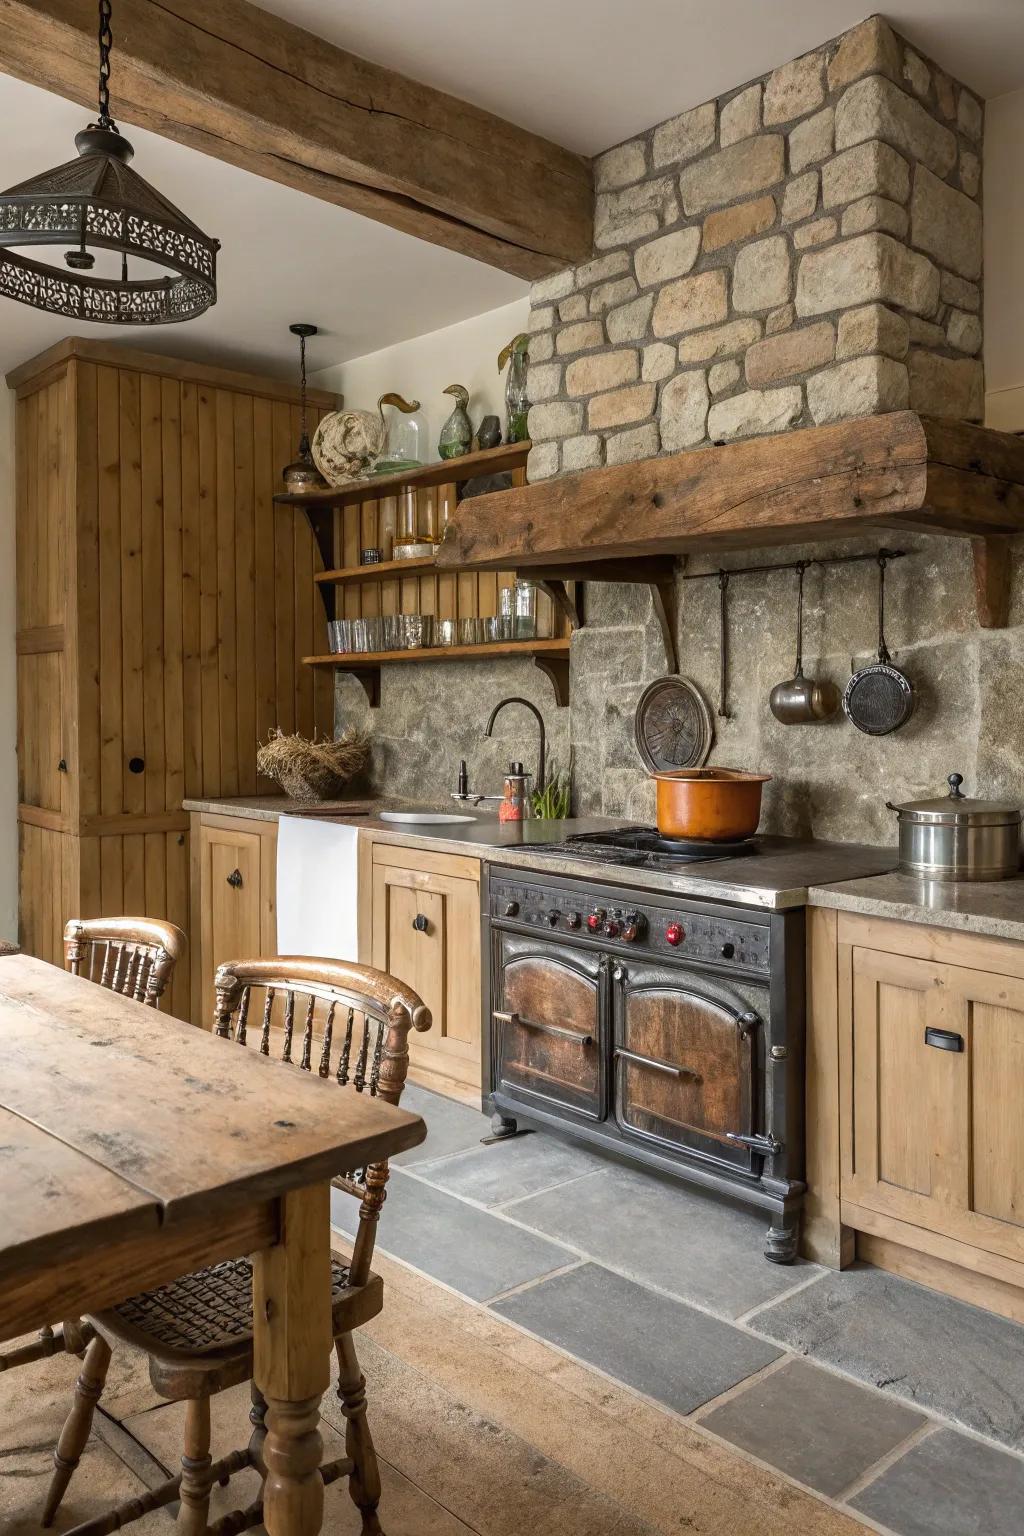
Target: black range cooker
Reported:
point(667, 1028)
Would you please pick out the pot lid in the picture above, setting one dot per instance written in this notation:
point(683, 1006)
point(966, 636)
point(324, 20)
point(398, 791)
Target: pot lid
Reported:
point(957, 809)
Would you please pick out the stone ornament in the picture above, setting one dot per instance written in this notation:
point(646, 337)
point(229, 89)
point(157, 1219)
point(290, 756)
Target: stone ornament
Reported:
point(347, 444)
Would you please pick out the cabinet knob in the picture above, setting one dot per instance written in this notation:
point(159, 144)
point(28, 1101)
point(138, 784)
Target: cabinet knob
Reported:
point(420, 922)
point(235, 879)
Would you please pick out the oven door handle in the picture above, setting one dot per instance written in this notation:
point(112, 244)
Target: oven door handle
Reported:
point(545, 1029)
point(670, 1068)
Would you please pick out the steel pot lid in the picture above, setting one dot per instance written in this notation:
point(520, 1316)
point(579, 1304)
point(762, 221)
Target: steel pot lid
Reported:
point(958, 810)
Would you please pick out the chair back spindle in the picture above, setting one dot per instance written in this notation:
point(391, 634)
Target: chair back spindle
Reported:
point(354, 1021)
point(133, 956)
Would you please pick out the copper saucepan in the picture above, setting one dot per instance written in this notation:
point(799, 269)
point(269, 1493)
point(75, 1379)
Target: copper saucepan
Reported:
point(720, 805)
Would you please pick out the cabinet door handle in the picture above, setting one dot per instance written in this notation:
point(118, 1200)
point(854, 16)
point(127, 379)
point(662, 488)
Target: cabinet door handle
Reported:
point(421, 923)
point(235, 879)
point(545, 1029)
point(944, 1039)
point(670, 1068)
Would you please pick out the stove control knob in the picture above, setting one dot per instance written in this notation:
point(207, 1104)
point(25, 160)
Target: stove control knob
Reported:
point(634, 927)
point(728, 950)
point(612, 928)
point(553, 917)
point(512, 909)
point(572, 919)
point(675, 933)
point(595, 919)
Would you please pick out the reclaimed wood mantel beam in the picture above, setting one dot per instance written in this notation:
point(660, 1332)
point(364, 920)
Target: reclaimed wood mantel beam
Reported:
point(240, 84)
point(899, 471)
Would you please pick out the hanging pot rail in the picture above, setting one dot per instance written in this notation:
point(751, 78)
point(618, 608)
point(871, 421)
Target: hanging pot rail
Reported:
point(790, 565)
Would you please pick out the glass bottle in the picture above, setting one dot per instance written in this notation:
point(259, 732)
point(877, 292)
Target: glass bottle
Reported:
point(517, 402)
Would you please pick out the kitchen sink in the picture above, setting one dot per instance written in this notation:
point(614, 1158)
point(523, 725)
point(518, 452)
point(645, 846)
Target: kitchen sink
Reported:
point(426, 818)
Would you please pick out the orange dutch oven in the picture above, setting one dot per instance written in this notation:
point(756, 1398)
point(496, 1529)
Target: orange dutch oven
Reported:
point(715, 804)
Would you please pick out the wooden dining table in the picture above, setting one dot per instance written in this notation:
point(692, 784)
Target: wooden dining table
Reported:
point(135, 1149)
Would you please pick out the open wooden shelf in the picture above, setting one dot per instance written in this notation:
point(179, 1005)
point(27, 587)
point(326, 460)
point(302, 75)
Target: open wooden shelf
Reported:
point(486, 461)
point(384, 570)
point(551, 656)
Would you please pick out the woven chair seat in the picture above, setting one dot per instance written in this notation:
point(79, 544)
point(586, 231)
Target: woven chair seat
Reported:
point(206, 1313)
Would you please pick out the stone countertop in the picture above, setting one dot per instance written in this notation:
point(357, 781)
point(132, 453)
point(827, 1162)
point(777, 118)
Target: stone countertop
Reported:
point(271, 807)
point(994, 908)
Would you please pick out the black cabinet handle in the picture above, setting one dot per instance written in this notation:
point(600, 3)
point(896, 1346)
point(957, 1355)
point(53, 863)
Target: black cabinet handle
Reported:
point(944, 1039)
point(235, 879)
point(420, 922)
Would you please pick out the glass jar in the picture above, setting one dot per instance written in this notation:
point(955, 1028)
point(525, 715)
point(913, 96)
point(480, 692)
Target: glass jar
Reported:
point(406, 441)
point(408, 517)
point(525, 610)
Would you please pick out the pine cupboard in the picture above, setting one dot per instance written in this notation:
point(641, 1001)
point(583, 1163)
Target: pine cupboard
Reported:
point(419, 920)
point(163, 608)
point(916, 1057)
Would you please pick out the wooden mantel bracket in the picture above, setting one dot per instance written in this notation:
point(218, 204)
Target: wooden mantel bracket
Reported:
point(557, 669)
point(656, 572)
point(993, 569)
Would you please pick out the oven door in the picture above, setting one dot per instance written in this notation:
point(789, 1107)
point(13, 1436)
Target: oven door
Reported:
point(546, 1024)
point(686, 1062)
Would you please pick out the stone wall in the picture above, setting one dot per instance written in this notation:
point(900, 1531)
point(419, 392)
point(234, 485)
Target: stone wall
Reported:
point(804, 249)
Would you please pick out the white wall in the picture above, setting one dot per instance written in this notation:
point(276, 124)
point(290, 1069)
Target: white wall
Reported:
point(8, 705)
point(421, 369)
point(1004, 262)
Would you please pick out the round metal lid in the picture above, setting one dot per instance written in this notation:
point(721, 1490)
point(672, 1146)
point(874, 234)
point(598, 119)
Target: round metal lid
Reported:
point(957, 810)
point(672, 727)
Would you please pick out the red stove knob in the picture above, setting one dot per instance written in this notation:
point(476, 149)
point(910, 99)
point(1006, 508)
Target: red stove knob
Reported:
point(595, 919)
point(634, 927)
point(573, 919)
point(675, 933)
point(611, 928)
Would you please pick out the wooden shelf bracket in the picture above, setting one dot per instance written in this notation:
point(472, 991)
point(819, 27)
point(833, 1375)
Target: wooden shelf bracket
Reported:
point(993, 569)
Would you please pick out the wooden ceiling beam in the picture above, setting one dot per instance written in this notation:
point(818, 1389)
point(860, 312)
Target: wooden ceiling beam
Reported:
point(244, 86)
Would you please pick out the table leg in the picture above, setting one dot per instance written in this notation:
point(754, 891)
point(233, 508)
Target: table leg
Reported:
point(291, 1295)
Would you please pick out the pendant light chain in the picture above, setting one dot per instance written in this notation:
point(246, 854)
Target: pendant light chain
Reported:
point(304, 438)
point(106, 41)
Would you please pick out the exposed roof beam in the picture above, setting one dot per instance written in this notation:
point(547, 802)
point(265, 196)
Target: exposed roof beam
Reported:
point(234, 81)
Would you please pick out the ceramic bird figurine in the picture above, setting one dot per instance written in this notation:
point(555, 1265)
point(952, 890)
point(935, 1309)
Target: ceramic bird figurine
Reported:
point(457, 432)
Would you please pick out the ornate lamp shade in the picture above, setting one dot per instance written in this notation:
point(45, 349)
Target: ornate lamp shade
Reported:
point(97, 202)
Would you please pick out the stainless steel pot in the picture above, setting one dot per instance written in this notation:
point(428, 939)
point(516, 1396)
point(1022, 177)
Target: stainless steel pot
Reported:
point(954, 838)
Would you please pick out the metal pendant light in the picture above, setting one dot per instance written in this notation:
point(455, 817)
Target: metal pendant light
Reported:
point(302, 474)
point(97, 202)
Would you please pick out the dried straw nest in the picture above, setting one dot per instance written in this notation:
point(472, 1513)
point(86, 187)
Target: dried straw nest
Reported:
point(313, 770)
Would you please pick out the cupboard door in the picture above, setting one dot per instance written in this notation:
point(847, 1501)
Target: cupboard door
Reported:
point(42, 780)
point(236, 905)
point(426, 932)
point(936, 1073)
point(546, 1025)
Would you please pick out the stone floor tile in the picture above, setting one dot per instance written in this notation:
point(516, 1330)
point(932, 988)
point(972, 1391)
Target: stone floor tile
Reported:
point(472, 1251)
point(662, 1347)
point(948, 1485)
point(814, 1426)
point(941, 1354)
point(451, 1126)
point(661, 1233)
point(511, 1169)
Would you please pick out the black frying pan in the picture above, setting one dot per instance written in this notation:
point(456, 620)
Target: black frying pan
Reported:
point(880, 697)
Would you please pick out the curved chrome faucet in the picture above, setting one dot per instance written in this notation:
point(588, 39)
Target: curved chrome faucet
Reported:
point(516, 699)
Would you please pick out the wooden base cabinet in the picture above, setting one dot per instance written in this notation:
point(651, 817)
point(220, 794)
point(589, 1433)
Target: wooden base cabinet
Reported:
point(234, 878)
point(928, 1059)
point(424, 916)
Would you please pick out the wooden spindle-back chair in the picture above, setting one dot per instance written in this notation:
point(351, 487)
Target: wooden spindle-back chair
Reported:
point(134, 956)
point(350, 1025)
